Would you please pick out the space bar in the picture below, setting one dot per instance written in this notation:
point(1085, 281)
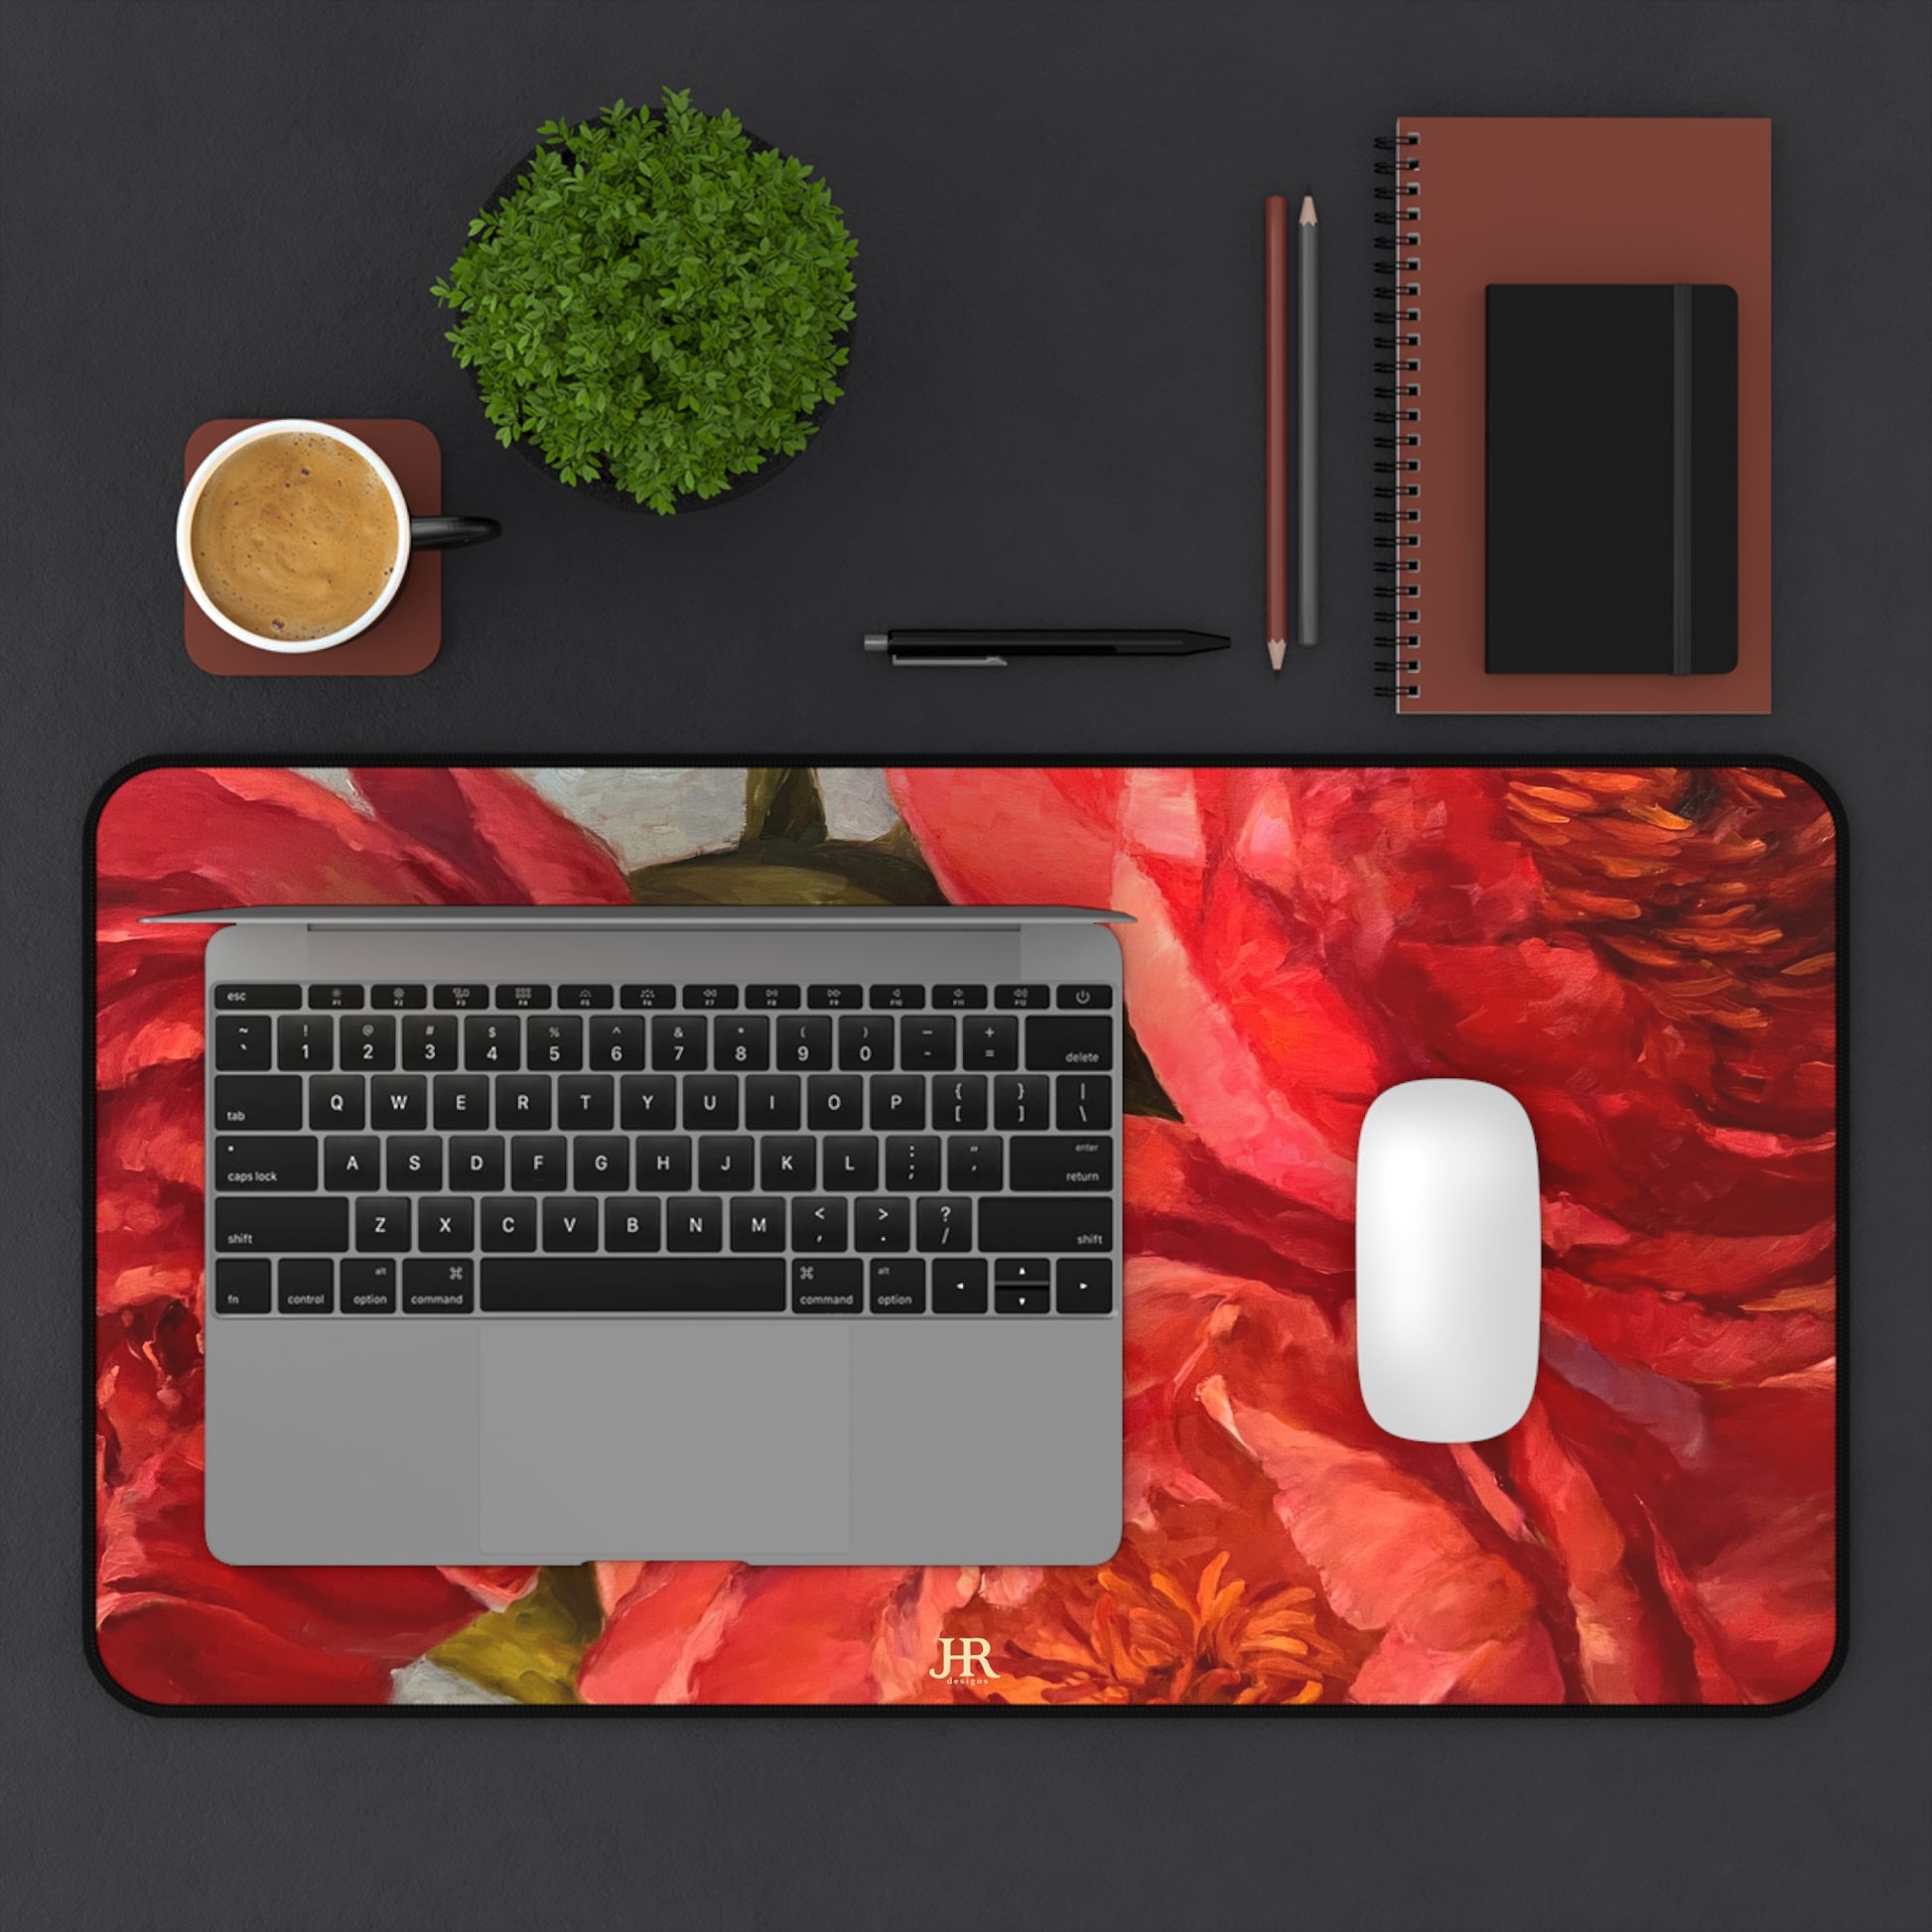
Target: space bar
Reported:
point(645, 1285)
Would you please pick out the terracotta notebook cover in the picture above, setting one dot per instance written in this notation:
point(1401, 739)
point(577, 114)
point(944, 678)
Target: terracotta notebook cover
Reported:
point(1479, 201)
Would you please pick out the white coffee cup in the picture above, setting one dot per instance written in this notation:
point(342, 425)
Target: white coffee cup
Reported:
point(412, 532)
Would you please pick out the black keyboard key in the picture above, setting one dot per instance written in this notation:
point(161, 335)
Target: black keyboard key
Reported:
point(959, 1287)
point(460, 999)
point(1083, 1102)
point(899, 1100)
point(492, 1043)
point(243, 1043)
point(694, 1225)
point(851, 1162)
point(438, 1287)
point(646, 1103)
point(241, 1287)
point(338, 1100)
point(265, 1162)
point(447, 1226)
point(990, 1045)
point(268, 1103)
point(1020, 1300)
point(866, 1042)
point(828, 1287)
point(1042, 1224)
point(818, 1225)
point(478, 1161)
point(646, 999)
point(622, 1284)
point(711, 1103)
point(305, 1043)
point(898, 999)
point(382, 1225)
point(523, 1100)
point(727, 1163)
point(881, 1225)
point(959, 1101)
point(631, 1225)
point(616, 1045)
point(399, 1102)
point(758, 1224)
point(415, 1164)
point(429, 1044)
point(570, 1225)
point(740, 1045)
point(973, 1164)
point(554, 1044)
point(1069, 1042)
point(523, 999)
point(945, 1227)
point(959, 999)
point(913, 1163)
point(391, 997)
point(301, 1224)
point(929, 1043)
point(368, 1041)
point(1040, 1163)
point(804, 1045)
point(771, 998)
point(897, 1287)
point(834, 999)
point(679, 1043)
point(1020, 1102)
point(508, 1225)
point(539, 1161)
point(600, 1164)
point(1085, 1285)
point(773, 1103)
point(1022, 1271)
point(1084, 999)
point(258, 998)
point(305, 1285)
point(664, 1162)
point(710, 998)
point(1025, 998)
point(351, 1163)
point(579, 998)
point(585, 1103)
point(787, 1163)
point(369, 1287)
point(834, 1101)
point(336, 998)
point(460, 1102)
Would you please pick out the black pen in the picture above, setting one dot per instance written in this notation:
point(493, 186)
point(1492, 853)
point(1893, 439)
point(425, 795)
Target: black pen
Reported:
point(997, 647)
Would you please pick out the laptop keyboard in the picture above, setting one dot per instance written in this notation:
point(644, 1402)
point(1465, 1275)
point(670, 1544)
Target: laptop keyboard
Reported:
point(382, 1149)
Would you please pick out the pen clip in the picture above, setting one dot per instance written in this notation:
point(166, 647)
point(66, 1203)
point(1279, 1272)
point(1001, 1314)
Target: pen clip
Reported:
point(908, 662)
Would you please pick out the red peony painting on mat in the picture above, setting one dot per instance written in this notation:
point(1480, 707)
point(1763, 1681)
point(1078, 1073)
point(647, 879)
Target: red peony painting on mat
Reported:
point(1645, 956)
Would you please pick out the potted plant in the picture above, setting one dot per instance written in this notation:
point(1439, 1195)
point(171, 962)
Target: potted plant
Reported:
point(656, 306)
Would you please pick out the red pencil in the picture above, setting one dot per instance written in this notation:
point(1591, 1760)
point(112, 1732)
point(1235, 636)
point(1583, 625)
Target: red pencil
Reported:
point(1275, 409)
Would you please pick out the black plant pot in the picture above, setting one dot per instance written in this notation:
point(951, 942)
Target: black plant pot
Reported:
point(600, 489)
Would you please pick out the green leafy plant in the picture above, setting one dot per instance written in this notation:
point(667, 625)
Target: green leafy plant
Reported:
point(656, 302)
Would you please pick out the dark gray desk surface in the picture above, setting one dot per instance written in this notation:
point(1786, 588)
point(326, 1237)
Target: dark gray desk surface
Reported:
point(1053, 417)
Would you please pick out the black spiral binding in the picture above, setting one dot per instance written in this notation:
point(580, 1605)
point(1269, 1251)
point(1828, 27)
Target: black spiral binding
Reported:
point(1398, 394)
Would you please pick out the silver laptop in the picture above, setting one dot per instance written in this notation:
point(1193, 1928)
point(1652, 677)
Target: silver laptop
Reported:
point(537, 1235)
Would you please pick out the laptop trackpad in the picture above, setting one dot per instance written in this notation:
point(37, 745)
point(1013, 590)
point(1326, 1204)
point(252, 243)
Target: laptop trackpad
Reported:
point(664, 1438)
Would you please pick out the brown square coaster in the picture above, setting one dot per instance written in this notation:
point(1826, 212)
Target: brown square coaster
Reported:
point(408, 634)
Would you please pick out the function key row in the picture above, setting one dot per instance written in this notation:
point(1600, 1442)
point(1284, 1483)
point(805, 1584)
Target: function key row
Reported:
point(708, 997)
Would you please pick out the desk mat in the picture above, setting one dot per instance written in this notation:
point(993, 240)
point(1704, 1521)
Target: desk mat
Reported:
point(1646, 956)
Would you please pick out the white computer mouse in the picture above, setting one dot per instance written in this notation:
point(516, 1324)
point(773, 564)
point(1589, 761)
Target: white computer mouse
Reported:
point(1449, 1261)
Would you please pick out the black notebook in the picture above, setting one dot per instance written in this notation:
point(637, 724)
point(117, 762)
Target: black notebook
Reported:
point(1612, 478)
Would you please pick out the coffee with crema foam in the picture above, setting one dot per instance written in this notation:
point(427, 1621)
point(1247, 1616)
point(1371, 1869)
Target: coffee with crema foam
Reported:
point(295, 536)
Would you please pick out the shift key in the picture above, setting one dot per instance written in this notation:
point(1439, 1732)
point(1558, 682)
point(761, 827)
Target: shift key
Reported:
point(1037, 1224)
point(271, 1224)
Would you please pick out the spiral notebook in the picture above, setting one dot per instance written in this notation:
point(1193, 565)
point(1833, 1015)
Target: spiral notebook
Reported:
point(1551, 266)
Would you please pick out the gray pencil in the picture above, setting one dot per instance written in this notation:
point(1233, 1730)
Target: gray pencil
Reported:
point(1306, 595)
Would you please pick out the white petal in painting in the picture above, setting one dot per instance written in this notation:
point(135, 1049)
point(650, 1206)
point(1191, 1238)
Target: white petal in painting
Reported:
point(857, 803)
point(425, 1683)
point(648, 813)
point(336, 778)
